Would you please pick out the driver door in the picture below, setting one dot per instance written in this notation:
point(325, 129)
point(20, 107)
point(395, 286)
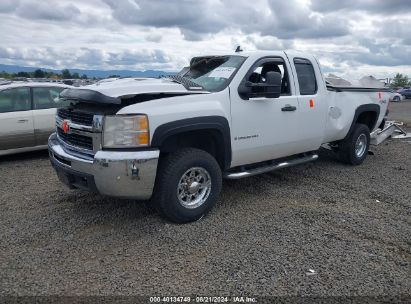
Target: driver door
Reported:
point(265, 128)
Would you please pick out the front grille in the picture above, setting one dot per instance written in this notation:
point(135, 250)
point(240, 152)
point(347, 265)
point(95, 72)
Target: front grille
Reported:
point(76, 140)
point(76, 117)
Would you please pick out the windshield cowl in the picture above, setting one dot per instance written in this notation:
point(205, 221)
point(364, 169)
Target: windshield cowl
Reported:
point(187, 83)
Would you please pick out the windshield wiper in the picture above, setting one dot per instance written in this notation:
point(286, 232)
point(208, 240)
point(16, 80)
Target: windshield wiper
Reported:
point(187, 83)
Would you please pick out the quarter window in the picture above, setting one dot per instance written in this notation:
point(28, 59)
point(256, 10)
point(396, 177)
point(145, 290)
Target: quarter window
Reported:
point(47, 98)
point(306, 76)
point(13, 100)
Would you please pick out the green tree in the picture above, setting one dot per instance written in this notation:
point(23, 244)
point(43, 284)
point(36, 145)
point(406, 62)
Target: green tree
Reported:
point(84, 76)
point(399, 80)
point(22, 74)
point(75, 75)
point(65, 74)
point(50, 75)
point(39, 73)
point(5, 75)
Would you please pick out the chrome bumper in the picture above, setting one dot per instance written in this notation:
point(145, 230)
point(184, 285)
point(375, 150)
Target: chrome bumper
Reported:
point(112, 173)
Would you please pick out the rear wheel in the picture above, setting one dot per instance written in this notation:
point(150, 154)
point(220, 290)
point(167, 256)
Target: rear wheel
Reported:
point(354, 149)
point(396, 98)
point(187, 186)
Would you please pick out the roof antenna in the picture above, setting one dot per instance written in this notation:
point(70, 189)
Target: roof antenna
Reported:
point(238, 49)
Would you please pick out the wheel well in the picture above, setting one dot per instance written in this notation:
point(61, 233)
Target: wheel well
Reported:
point(209, 140)
point(368, 118)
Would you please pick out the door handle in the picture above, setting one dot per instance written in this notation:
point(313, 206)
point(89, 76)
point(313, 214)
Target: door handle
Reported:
point(22, 120)
point(288, 108)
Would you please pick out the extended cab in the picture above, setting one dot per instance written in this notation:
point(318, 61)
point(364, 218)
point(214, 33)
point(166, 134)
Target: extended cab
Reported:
point(173, 139)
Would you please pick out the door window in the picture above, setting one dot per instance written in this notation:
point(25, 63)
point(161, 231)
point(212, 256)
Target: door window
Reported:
point(306, 76)
point(12, 100)
point(47, 98)
point(259, 71)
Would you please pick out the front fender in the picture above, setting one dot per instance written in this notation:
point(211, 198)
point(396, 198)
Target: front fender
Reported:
point(217, 123)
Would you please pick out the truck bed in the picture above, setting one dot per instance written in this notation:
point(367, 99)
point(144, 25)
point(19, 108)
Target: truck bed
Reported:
point(342, 104)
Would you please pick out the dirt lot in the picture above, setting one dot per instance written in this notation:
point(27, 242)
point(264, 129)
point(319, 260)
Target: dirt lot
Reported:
point(401, 111)
point(323, 229)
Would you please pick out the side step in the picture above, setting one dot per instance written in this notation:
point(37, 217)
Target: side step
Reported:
point(271, 167)
point(391, 127)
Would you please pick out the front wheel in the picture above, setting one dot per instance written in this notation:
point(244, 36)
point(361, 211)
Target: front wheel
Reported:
point(188, 184)
point(396, 99)
point(354, 149)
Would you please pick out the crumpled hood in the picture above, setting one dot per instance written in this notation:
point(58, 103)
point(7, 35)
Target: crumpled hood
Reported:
point(128, 87)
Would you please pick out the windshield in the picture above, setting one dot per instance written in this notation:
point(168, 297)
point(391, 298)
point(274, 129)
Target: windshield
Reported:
point(213, 73)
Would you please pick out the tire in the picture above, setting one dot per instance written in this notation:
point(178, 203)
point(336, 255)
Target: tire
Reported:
point(351, 151)
point(179, 196)
point(396, 99)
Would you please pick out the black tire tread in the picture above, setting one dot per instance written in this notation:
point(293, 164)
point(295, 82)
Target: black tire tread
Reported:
point(168, 166)
point(346, 147)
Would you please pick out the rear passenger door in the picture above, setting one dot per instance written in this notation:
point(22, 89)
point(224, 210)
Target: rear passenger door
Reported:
point(16, 119)
point(312, 102)
point(45, 101)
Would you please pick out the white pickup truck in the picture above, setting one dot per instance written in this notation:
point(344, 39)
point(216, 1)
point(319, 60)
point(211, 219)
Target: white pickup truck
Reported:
point(173, 139)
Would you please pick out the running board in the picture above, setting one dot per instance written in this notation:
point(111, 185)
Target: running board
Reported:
point(391, 127)
point(272, 167)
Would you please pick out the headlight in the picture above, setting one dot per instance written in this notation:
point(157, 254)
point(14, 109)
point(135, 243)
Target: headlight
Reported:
point(123, 131)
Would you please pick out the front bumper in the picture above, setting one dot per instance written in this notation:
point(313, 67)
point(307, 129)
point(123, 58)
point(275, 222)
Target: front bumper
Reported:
point(112, 173)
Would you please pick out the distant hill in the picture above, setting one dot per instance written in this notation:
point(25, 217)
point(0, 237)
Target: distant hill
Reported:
point(90, 73)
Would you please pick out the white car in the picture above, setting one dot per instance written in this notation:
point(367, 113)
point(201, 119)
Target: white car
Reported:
point(396, 97)
point(27, 115)
point(232, 116)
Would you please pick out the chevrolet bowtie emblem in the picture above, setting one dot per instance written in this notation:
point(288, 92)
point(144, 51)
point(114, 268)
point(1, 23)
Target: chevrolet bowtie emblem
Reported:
point(65, 126)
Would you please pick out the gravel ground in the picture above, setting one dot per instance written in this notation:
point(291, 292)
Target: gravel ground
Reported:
point(401, 111)
point(323, 229)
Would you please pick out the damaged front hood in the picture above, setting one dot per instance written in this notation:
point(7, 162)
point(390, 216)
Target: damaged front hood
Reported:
point(112, 92)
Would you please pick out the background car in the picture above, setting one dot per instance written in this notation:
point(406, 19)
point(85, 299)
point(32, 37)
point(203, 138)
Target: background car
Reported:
point(396, 97)
point(405, 92)
point(27, 115)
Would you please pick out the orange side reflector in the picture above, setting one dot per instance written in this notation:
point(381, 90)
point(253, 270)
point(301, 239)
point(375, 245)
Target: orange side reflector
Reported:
point(142, 138)
point(311, 103)
point(142, 123)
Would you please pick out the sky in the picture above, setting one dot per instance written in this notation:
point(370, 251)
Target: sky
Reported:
point(351, 38)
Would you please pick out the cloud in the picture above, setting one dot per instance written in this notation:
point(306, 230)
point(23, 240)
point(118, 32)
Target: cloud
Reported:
point(385, 54)
point(154, 37)
point(287, 19)
point(270, 43)
point(86, 58)
point(7, 6)
point(188, 15)
point(131, 57)
point(371, 6)
point(45, 11)
point(291, 20)
point(139, 34)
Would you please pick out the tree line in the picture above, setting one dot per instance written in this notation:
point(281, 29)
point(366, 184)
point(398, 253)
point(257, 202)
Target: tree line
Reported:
point(400, 80)
point(39, 73)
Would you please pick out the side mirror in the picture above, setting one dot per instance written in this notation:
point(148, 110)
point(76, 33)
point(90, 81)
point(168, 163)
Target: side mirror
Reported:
point(271, 88)
point(245, 89)
point(273, 81)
